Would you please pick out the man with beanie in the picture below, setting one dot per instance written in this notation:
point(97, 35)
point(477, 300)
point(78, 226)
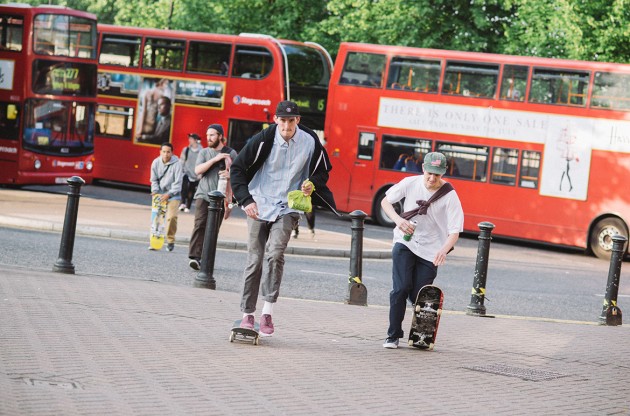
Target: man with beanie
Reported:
point(212, 162)
point(432, 220)
point(275, 161)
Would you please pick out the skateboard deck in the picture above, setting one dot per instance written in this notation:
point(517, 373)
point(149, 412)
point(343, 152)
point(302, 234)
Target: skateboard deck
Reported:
point(244, 335)
point(426, 317)
point(158, 212)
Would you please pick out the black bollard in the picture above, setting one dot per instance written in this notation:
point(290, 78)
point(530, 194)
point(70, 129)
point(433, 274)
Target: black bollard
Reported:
point(476, 306)
point(611, 314)
point(357, 292)
point(64, 262)
point(216, 210)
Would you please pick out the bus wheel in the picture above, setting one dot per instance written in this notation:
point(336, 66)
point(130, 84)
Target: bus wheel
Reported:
point(600, 240)
point(380, 216)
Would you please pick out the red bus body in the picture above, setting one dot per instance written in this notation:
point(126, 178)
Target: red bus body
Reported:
point(538, 147)
point(235, 81)
point(48, 71)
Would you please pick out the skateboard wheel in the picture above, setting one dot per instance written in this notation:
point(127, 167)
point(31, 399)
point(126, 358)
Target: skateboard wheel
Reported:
point(439, 312)
point(431, 346)
point(417, 308)
point(232, 336)
point(256, 341)
point(410, 343)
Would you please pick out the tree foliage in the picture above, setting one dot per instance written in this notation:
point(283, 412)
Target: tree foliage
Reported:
point(574, 29)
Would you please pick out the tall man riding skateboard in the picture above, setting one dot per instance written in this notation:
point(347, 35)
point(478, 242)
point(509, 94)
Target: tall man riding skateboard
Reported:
point(425, 232)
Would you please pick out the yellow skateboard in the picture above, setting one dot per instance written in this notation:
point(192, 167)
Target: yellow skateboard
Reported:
point(158, 212)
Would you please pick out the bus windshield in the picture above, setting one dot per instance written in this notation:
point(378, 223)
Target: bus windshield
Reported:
point(58, 127)
point(307, 66)
point(62, 35)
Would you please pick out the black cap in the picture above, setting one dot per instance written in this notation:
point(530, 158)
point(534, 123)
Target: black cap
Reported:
point(287, 109)
point(194, 136)
point(217, 127)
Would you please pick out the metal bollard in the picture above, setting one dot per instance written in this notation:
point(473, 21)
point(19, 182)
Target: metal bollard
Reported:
point(611, 314)
point(476, 306)
point(216, 210)
point(357, 292)
point(64, 262)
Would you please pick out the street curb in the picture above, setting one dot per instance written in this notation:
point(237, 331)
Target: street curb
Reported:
point(86, 230)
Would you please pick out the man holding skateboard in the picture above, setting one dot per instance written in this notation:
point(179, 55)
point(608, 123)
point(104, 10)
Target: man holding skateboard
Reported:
point(166, 181)
point(425, 232)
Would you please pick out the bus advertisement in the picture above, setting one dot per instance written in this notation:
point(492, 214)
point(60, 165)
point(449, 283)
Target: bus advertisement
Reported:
point(158, 86)
point(539, 147)
point(48, 71)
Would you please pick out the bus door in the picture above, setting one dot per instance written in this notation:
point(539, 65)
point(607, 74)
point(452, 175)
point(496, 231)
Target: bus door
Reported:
point(362, 175)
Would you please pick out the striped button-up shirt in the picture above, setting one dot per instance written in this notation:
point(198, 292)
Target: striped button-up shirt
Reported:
point(284, 170)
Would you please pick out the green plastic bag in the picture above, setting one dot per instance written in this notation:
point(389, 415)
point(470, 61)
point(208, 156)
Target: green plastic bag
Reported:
point(297, 200)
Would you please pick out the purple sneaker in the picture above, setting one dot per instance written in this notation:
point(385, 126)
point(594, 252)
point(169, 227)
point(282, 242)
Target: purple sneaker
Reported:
point(248, 322)
point(266, 326)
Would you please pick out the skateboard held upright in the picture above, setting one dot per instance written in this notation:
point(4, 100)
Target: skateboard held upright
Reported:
point(426, 317)
point(158, 212)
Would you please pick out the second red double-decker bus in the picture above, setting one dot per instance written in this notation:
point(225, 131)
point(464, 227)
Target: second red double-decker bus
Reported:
point(160, 85)
point(48, 73)
point(539, 147)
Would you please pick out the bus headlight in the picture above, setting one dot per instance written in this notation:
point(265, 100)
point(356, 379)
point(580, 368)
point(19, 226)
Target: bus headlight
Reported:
point(89, 165)
point(37, 164)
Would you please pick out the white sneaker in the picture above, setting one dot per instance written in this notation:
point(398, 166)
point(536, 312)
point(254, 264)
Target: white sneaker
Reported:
point(391, 343)
point(182, 207)
point(186, 210)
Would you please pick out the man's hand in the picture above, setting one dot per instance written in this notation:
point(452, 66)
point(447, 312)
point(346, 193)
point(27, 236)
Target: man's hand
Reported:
point(252, 211)
point(307, 188)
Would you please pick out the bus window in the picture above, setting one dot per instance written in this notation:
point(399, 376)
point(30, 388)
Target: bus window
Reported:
point(414, 74)
point(611, 91)
point(9, 121)
point(504, 162)
point(209, 58)
point(363, 69)
point(63, 35)
point(514, 82)
point(465, 161)
point(307, 66)
point(403, 153)
point(11, 28)
point(530, 169)
point(120, 50)
point(252, 62)
point(241, 130)
point(164, 54)
point(114, 121)
point(366, 146)
point(471, 80)
point(564, 87)
point(64, 78)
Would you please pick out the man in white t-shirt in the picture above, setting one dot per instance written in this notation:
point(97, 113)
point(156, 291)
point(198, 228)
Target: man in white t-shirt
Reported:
point(438, 224)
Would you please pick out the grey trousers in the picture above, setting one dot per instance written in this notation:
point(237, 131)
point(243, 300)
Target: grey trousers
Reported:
point(267, 241)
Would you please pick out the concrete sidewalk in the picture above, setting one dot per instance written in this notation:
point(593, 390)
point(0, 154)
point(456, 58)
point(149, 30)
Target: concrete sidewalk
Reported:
point(103, 218)
point(92, 345)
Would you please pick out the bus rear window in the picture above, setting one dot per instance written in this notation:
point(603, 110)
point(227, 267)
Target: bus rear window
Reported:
point(465, 161)
point(471, 79)
point(414, 74)
point(252, 62)
point(611, 91)
point(209, 58)
point(308, 67)
point(363, 69)
point(563, 87)
point(11, 28)
point(163, 54)
point(120, 50)
point(62, 35)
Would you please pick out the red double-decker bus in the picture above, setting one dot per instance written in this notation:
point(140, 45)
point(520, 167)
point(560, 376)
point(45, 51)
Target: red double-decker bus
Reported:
point(539, 147)
point(160, 85)
point(48, 72)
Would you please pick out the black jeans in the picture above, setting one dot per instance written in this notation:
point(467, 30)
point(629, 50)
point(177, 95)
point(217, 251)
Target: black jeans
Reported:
point(188, 191)
point(409, 274)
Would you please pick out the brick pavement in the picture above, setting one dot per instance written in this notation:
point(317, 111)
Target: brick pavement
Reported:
point(91, 345)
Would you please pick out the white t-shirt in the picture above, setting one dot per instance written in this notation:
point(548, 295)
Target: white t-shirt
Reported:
point(444, 217)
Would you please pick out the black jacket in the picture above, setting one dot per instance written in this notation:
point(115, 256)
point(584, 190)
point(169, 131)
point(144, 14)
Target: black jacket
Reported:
point(256, 151)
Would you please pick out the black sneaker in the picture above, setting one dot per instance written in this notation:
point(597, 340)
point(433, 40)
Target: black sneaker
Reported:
point(170, 246)
point(194, 264)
